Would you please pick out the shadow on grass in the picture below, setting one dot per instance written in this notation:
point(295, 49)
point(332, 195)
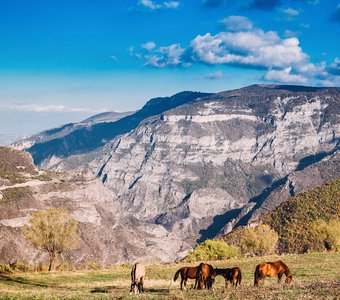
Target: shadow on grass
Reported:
point(20, 280)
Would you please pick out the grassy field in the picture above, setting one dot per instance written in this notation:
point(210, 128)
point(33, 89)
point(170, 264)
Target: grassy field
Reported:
point(315, 276)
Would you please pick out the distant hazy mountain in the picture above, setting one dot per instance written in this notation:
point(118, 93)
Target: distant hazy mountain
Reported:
point(64, 130)
point(73, 139)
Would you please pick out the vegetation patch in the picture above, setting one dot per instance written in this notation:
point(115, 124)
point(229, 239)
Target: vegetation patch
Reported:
point(294, 220)
point(14, 194)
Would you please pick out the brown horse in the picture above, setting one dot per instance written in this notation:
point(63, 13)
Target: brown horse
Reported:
point(186, 272)
point(272, 269)
point(137, 278)
point(233, 275)
point(204, 276)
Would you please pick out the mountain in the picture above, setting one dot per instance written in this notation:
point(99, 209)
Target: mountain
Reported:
point(74, 139)
point(197, 168)
point(105, 236)
point(62, 131)
point(194, 166)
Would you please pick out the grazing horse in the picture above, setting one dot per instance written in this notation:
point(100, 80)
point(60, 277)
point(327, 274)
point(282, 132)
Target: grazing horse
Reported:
point(204, 276)
point(186, 272)
point(137, 278)
point(272, 269)
point(233, 275)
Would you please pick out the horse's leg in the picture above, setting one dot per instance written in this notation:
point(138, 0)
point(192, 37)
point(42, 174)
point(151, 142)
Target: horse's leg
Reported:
point(182, 280)
point(142, 283)
point(279, 276)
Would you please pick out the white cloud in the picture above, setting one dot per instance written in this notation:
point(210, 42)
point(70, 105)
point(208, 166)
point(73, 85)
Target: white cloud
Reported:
point(284, 76)
point(54, 108)
point(171, 4)
point(253, 48)
point(237, 23)
point(168, 56)
point(149, 46)
point(248, 47)
point(215, 75)
point(290, 12)
point(154, 6)
point(114, 58)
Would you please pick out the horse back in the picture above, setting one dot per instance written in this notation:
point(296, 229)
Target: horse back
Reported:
point(138, 271)
point(191, 272)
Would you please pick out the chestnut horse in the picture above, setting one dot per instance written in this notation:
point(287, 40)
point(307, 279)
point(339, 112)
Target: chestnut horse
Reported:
point(204, 276)
point(137, 278)
point(233, 275)
point(186, 272)
point(272, 269)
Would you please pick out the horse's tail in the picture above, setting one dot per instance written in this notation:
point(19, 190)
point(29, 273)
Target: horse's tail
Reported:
point(257, 275)
point(239, 277)
point(177, 274)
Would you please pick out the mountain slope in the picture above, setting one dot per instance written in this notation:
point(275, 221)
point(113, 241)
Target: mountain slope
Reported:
point(294, 217)
point(194, 168)
point(89, 138)
point(105, 236)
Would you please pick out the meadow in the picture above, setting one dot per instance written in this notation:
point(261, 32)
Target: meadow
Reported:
point(315, 276)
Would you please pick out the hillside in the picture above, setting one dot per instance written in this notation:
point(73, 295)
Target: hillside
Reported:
point(105, 236)
point(292, 220)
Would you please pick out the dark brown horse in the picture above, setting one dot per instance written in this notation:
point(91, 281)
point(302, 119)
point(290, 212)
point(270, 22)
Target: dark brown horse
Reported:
point(233, 275)
point(204, 276)
point(186, 272)
point(272, 269)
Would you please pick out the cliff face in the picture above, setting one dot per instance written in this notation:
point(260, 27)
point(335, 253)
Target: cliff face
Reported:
point(197, 167)
point(190, 167)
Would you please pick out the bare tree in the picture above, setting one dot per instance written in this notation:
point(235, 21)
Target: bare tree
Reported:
point(52, 231)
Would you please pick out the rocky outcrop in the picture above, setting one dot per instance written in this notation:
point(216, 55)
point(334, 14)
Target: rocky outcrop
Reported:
point(193, 169)
point(190, 167)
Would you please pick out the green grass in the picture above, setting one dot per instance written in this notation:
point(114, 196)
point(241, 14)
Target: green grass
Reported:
point(13, 194)
point(315, 276)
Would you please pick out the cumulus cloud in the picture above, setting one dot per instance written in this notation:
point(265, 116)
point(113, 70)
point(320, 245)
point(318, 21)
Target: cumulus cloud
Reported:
point(284, 76)
point(213, 3)
point(155, 5)
point(215, 75)
point(247, 47)
point(54, 108)
point(253, 49)
point(149, 46)
point(237, 23)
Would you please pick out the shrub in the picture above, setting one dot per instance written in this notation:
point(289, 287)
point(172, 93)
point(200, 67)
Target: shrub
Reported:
point(293, 219)
point(325, 236)
point(260, 240)
point(213, 250)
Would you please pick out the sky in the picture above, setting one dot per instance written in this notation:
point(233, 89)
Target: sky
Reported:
point(63, 61)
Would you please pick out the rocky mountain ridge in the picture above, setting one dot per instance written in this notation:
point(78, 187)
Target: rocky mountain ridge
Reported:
point(194, 166)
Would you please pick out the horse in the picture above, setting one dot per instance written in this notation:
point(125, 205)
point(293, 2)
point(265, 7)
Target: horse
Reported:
point(186, 272)
point(233, 275)
point(272, 269)
point(137, 278)
point(204, 276)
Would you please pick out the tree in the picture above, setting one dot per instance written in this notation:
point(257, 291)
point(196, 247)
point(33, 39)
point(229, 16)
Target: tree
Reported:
point(52, 231)
point(260, 240)
point(212, 250)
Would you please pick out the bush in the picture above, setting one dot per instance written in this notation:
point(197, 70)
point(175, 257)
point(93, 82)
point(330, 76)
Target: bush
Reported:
point(325, 236)
point(213, 250)
point(260, 240)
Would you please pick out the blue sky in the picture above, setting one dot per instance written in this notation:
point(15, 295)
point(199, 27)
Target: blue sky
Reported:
point(62, 61)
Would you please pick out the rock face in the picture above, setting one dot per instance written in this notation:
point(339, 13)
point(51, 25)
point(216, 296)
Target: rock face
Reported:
point(195, 168)
point(190, 167)
point(106, 236)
